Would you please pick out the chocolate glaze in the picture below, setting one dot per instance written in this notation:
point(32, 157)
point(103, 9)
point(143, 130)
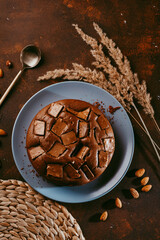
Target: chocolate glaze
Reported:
point(70, 142)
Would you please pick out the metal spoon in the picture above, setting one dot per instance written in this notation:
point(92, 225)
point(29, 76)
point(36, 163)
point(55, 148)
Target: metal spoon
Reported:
point(30, 56)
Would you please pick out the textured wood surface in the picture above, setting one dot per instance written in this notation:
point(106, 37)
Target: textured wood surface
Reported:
point(135, 27)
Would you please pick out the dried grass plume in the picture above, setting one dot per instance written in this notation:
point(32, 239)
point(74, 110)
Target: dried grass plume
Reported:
point(119, 80)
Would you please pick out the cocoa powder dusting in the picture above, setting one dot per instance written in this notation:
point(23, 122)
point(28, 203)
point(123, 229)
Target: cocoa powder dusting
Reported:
point(96, 104)
point(100, 105)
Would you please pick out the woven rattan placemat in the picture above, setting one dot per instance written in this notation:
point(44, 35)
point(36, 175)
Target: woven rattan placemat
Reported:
point(26, 215)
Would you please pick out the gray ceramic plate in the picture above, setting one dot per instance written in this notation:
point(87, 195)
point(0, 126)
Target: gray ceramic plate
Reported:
point(123, 133)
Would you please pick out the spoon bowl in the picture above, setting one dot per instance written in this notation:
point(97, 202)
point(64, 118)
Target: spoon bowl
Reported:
point(30, 56)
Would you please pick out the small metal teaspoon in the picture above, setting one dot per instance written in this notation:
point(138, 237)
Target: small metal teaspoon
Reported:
point(30, 57)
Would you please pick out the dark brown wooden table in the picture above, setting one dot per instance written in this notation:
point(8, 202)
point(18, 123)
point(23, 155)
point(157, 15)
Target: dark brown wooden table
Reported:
point(135, 27)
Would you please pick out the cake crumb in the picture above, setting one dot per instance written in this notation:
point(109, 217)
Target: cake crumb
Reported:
point(113, 109)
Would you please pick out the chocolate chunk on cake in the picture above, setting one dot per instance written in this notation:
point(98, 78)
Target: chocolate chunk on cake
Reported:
point(70, 142)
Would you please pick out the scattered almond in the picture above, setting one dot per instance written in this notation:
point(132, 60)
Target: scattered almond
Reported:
point(118, 203)
point(104, 216)
point(1, 73)
point(2, 132)
point(134, 193)
point(144, 181)
point(140, 172)
point(146, 188)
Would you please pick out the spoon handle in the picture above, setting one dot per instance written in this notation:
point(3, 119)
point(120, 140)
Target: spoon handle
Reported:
point(10, 86)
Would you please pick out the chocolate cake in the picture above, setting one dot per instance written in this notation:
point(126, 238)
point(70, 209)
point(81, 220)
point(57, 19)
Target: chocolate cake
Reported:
point(70, 142)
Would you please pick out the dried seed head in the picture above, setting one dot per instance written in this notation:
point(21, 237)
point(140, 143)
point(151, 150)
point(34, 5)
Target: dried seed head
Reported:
point(1, 73)
point(104, 216)
point(118, 203)
point(121, 82)
point(134, 193)
point(146, 188)
point(140, 172)
point(144, 181)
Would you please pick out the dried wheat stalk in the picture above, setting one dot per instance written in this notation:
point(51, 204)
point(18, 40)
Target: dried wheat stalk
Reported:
point(118, 80)
point(142, 128)
point(147, 132)
point(131, 79)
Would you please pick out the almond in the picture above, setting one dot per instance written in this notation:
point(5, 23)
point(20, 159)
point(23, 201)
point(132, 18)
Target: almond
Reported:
point(1, 73)
point(118, 203)
point(2, 132)
point(146, 188)
point(134, 193)
point(144, 181)
point(140, 172)
point(104, 216)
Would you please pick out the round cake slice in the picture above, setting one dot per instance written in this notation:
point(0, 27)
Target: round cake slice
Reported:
point(70, 142)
